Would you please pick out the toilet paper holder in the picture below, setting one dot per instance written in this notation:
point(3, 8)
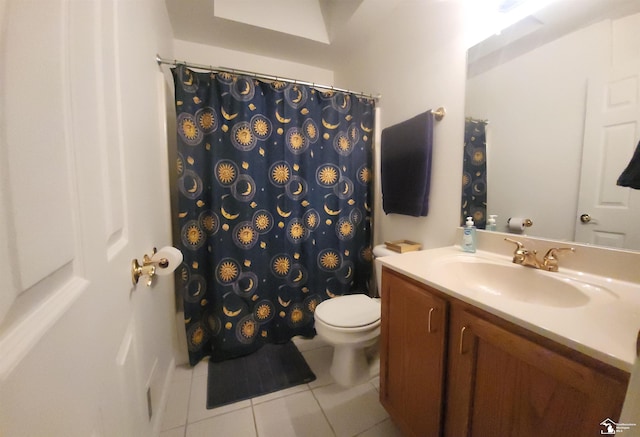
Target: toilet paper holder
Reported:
point(166, 260)
point(518, 221)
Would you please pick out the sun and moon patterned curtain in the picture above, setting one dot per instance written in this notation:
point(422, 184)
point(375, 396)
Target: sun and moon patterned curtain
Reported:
point(274, 207)
point(474, 173)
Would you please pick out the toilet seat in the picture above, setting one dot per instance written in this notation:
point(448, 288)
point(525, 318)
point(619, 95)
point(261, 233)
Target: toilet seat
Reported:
point(350, 311)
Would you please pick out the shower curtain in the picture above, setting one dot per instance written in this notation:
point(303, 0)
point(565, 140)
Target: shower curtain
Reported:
point(474, 173)
point(274, 207)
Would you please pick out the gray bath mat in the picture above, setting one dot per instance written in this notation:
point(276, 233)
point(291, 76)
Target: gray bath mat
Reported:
point(271, 368)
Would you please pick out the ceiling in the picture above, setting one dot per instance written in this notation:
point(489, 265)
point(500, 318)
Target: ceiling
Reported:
point(320, 33)
point(558, 18)
point(323, 33)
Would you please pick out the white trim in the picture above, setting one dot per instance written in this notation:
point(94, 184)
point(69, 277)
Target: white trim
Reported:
point(158, 415)
point(23, 335)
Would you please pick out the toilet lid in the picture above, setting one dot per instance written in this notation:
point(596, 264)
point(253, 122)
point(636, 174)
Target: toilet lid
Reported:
point(350, 311)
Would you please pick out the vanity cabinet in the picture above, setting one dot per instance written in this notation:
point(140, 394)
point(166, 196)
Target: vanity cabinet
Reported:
point(500, 379)
point(413, 340)
point(502, 383)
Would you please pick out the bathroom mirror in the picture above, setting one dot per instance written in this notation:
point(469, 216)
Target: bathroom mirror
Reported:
point(553, 152)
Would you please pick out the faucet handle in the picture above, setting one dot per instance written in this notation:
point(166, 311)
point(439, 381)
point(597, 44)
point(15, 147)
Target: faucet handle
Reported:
point(521, 253)
point(550, 260)
point(520, 249)
point(523, 256)
point(551, 253)
point(519, 244)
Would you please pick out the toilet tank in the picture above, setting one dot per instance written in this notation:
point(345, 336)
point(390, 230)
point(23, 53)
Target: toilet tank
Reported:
point(378, 252)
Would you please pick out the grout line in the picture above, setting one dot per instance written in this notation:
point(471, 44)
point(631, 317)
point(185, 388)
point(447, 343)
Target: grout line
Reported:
point(186, 419)
point(373, 426)
point(220, 415)
point(255, 422)
point(323, 412)
point(252, 406)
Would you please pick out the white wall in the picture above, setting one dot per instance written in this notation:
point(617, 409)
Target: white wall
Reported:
point(308, 20)
point(535, 105)
point(417, 62)
point(220, 57)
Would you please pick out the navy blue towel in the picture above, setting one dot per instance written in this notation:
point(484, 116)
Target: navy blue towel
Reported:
point(630, 177)
point(405, 166)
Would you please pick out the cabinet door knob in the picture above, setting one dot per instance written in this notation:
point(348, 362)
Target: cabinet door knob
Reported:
point(429, 330)
point(464, 328)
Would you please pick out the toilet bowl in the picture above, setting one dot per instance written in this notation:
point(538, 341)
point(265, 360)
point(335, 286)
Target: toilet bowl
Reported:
point(351, 324)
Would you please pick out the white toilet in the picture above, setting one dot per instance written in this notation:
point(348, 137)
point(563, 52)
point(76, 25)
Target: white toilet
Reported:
point(351, 324)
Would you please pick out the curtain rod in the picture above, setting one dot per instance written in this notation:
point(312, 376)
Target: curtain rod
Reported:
point(175, 63)
point(476, 120)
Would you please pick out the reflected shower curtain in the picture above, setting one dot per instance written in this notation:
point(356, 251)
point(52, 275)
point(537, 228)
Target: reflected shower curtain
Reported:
point(274, 207)
point(474, 173)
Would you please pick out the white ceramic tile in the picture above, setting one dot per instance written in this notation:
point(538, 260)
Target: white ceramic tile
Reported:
point(306, 344)
point(237, 423)
point(376, 382)
point(175, 412)
point(202, 368)
point(175, 432)
point(319, 360)
point(278, 394)
point(291, 416)
point(198, 402)
point(350, 410)
point(386, 428)
point(182, 372)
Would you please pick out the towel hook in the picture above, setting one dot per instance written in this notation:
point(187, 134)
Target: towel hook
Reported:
point(439, 113)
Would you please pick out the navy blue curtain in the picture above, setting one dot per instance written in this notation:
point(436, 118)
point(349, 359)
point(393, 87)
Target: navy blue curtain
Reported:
point(274, 207)
point(474, 173)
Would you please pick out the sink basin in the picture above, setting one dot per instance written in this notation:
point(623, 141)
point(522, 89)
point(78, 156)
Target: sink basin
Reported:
point(511, 281)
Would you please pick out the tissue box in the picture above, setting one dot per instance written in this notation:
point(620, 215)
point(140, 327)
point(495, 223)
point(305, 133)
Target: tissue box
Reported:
point(402, 246)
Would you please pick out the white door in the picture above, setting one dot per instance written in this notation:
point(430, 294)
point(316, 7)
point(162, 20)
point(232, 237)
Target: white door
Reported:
point(83, 171)
point(608, 214)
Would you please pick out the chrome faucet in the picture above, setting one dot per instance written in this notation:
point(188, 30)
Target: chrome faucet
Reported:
point(529, 258)
point(523, 256)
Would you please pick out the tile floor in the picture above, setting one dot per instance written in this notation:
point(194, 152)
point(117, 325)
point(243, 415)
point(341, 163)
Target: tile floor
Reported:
point(321, 408)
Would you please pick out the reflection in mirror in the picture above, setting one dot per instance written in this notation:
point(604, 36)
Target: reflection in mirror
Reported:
point(560, 91)
point(474, 173)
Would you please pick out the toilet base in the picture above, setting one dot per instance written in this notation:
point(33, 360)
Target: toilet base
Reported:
point(350, 365)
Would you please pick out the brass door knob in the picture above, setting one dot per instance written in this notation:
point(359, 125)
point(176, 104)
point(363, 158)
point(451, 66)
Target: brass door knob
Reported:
point(585, 218)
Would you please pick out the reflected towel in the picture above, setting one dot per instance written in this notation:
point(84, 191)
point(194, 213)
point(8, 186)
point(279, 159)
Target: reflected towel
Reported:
point(405, 166)
point(630, 177)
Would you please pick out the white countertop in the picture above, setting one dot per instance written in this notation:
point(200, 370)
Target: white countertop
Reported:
point(604, 328)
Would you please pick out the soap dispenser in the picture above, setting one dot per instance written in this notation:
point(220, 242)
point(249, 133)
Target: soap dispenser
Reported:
point(469, 236)
point(491, 223)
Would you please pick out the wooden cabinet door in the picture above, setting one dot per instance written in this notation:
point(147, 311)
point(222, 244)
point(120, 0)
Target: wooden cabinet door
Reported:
point(503, 384)
point(413, 338)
